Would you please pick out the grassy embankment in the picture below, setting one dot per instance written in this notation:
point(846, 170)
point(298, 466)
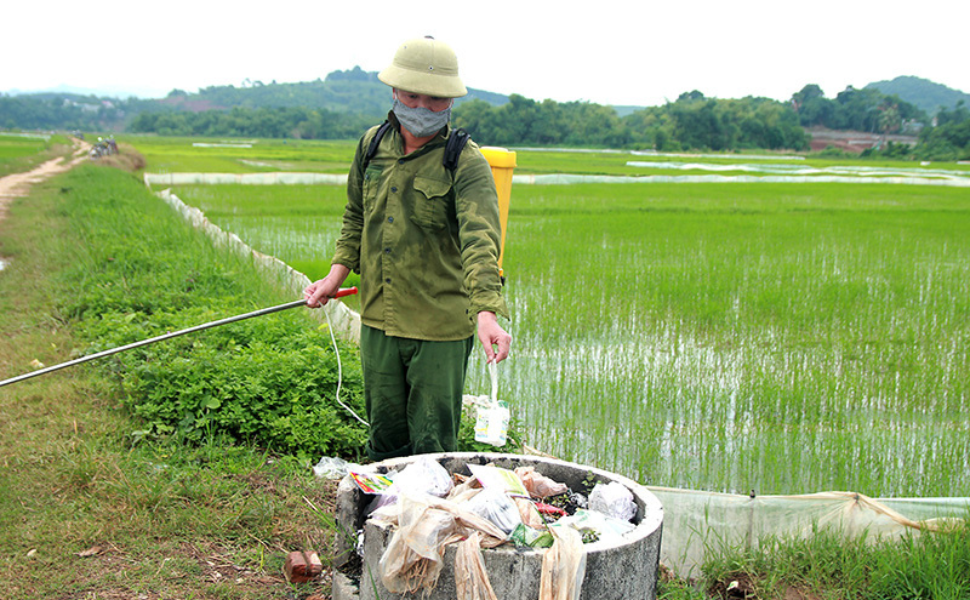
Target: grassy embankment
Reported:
point(157, 518)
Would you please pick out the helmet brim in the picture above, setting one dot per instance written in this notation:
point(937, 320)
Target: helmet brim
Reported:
point(419, 82)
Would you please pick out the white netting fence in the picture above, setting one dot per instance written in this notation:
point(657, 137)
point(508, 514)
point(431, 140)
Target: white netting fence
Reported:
point(696, 523)
point(346, 322)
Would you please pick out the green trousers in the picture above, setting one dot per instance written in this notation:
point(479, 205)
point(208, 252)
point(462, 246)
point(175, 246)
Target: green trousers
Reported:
point(412, 392)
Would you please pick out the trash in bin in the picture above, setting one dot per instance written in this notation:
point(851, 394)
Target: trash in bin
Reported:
point(613, 499)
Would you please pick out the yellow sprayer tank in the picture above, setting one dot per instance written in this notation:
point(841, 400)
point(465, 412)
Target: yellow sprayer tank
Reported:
point(502, 162)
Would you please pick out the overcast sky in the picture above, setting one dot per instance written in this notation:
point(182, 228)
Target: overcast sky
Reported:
point(627, 53)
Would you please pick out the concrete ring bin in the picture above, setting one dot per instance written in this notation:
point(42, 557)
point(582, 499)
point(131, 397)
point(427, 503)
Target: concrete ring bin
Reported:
point(614, 570)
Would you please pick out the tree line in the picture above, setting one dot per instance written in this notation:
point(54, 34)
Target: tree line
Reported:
point(948, 140)
point(293, 122)
point(865, 109)
point(691, 122)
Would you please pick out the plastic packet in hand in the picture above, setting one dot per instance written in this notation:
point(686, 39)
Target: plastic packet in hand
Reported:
point(495, 506)
point(613, 499)
point(492, 419)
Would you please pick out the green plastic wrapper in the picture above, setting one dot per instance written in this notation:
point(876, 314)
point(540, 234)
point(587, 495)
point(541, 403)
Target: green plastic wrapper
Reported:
point(523, 536)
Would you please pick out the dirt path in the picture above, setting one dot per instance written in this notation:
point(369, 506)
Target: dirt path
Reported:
point(18, 185)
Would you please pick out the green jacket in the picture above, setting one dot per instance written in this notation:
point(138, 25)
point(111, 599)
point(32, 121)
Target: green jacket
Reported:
point(424, 240)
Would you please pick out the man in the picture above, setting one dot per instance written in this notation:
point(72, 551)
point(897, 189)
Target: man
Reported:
point(425, 239)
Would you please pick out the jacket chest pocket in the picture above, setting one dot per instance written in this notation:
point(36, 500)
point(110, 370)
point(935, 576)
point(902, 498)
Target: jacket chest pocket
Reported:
point(431, 202)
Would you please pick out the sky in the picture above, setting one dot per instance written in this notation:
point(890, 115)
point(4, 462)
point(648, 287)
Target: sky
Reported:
point(636, 52)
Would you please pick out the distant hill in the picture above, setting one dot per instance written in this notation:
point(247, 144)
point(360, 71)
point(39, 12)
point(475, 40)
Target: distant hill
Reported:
point(923, 93)
point(352, 91)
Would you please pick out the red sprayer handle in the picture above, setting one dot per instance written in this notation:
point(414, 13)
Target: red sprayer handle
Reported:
point(345, 292)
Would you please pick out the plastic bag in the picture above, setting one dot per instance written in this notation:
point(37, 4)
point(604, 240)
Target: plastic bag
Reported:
point(529, 513)
point(523, 535)
point(605, 526)
point(370, 483)
point(424, 475)
point(501, 479)
point(464, 490)
point(413, 557)
point(492, 422)
point(471, 578)
point(495, 506)
point(538, 485)
point(613, 499)
point(330, 467)
point(563, 566)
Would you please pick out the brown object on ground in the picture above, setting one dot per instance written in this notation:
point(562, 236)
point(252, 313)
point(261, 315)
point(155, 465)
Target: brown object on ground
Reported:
point(302, 567)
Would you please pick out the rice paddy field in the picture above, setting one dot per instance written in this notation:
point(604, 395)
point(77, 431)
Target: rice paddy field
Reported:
point(722, 334)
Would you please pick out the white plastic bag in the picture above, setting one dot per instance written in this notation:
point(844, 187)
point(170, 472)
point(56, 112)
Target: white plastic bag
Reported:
point(492, 422)
point(613, 499)
point(330, 467)
point(424, 475)
point(495, 506)
point(606, 527)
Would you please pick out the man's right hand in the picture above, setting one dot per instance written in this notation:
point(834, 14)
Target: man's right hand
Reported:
point(321, 291)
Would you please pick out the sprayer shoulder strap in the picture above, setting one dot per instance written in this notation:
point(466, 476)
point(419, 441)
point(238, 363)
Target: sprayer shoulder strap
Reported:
point(456, 143)
point(375, 142)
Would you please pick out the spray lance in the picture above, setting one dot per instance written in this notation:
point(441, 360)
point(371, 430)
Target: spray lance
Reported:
point(258, 313)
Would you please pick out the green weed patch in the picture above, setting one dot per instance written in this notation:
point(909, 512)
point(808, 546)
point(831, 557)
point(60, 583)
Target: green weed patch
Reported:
point(141, 272)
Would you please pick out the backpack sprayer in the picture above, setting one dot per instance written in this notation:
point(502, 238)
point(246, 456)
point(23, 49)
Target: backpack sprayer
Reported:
point(258, 313)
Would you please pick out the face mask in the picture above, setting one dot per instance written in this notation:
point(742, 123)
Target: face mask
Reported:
point(420, 121)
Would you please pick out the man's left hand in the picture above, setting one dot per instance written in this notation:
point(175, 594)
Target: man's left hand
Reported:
point(495, 339)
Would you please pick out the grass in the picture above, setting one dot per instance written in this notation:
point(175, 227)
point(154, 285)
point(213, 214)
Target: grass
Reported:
point(824, 565)
point(88, 508)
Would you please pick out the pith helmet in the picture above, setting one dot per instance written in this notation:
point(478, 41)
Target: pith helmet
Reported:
point(425, 66)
